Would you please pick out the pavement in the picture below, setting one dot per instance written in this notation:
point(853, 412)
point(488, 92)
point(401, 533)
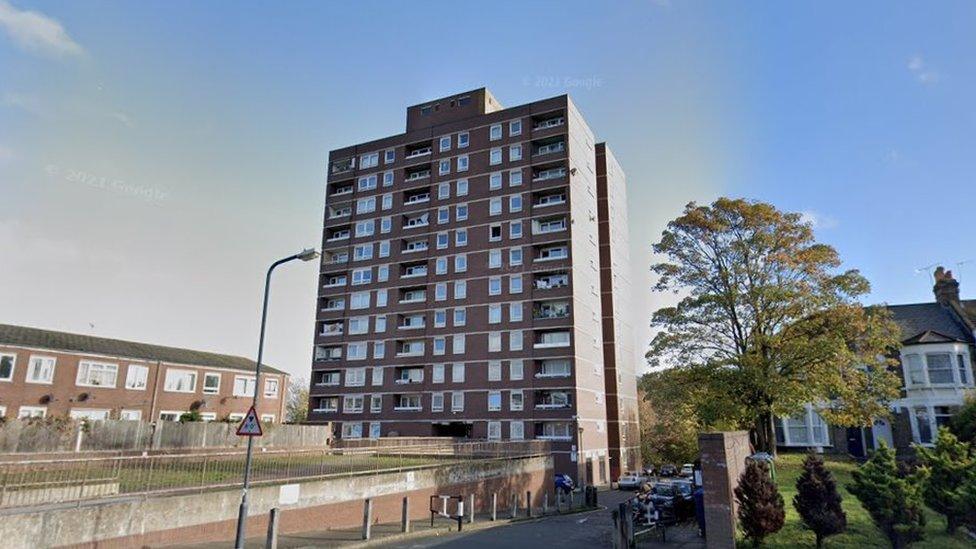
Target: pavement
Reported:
point(590, 529)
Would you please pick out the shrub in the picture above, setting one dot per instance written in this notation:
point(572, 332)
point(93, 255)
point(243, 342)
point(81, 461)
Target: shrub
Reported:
point(191, 416)
point(963, 424)
point(951, 471)
point(817, 500)
point(894, 502)
point(761, 510)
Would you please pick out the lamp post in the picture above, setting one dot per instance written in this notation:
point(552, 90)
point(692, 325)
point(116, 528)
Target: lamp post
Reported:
point(307, 254)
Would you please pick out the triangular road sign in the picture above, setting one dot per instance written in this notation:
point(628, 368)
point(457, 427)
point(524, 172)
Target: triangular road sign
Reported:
point(250, 427)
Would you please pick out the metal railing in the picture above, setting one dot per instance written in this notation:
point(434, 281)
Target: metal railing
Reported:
point(46, 481)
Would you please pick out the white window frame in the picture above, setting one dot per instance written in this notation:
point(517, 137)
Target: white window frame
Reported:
point(85, 367)
point(214, 390)
point(50, 360)
point(249, 383)
point(272, 387)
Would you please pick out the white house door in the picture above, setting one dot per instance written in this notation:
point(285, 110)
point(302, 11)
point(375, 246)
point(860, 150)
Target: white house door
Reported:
point(882, 431)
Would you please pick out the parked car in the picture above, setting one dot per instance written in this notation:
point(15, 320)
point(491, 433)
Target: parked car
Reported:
point(564, 483)
point(674, 497)
point(649, 471)
point(668, 470)
point(688, 470)
point(630, 481)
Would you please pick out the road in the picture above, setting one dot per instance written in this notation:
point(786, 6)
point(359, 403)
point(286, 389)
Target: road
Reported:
point(591, 529)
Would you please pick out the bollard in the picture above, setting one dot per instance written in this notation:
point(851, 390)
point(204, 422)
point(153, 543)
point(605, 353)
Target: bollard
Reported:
point(470, 508)
point(367, 517)
point(545, 503)
point(405, 516)
point(528, 503)
point(515, 503)
point(494, 506)
point(272, 541)
point(621, 532)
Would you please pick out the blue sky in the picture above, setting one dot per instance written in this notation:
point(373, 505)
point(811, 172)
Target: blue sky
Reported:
point(155, 157)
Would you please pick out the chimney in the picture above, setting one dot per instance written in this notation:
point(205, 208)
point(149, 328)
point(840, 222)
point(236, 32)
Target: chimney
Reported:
point(946, 288)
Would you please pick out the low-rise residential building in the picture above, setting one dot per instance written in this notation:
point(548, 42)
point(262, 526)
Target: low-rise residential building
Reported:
point(936, 367)
point(47, 373)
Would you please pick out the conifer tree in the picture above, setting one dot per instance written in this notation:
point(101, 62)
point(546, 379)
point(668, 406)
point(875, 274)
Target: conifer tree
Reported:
point(894, 502)
point(817, 500)
point(951, 467)
point(761, 509)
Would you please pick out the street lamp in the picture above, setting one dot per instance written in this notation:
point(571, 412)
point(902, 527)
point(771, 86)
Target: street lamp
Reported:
point(307, 254)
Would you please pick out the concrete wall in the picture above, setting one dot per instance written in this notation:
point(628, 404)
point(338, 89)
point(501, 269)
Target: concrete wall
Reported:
point(723, 459)
point(318, 505)
point(63, 436)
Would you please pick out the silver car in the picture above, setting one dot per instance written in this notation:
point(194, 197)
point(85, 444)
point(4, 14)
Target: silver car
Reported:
point(630, 481)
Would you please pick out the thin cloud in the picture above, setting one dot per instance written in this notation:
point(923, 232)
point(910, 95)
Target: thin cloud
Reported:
point(123, 119)
point(6, 154)
point(922, 72)
point(817, 220)
point(37, 33)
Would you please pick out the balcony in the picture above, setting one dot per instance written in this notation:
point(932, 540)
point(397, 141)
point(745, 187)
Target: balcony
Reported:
point(545, 124)
point(551, 340)
point(552, 253)
point(552, 400)
point(417, 198)
point(424, 150)
point(416, 246)
point(335, 282)
point(328, 354)
point(341, 190)
point(414, 348)
point(550, 148)
point(417, 221)
point(549, 174)
point(334, 305)
point(335, 258)
point(541, 201)
point(546, 311)
point(414, 322)
point(407, 403)
point(548, 226)
point(413, 296)
point(417, 270)
point(551, 281)
point(407, 376)
point(338, 236)
point(332, 329)
point(417, 175)
point(342, 166)
point(328, 379)
point(327, 405)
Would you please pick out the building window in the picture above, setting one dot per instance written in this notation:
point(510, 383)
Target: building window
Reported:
point(495, 156)
point(460, 316)
point(355, 377)
point(352, 404)
point(515, 256)
point(515, 153)
point(460, 263)
point(271, 387)
point(444, 167)
point(136, 377)
point(180, 381)
point(515, 127)
point(515, 312)
point(457, 401)
point(515, 203)
point(462, 187)
point(463, 140)
point(494, 401)
point(437, 373)
point(494, 370)
point(387, 179)
point(940, 368)
point(40, 369)
point(352, 430)
point(211, 383)
point(458, 345)
point(244, 386)
point(31, 411)
point(389, 156)
point(516, 430)
point(514, 178)
point(7, 361)
point(443, 191)
point(437, 402)
point(494, 342)
point(515, 229)
point(370, 160)
point(494, 313)
point(495, 285)
point(495, 132)
point(923, 425)
point(494, 430)
point(495, 181)
point(462, 212)
point(460, 289)
point(457, 373)
point(516, 401)
point(804, 429)
point(376, 403)
point(96, 374)
point(445, 143)
point(130, 415)
point(375, 428)
point(462, 163)
point(515, 370)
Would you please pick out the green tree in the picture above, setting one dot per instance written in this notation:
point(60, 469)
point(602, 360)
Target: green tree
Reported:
point(963, 424)
point(296, 405)
point(761, 510)
point(669, 430)
point(951, 472)
point(817, 500)
point(894, 502)
point(767, 322)
point(190, 417)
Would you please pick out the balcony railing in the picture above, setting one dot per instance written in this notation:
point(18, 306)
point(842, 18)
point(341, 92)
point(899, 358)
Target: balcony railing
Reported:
point(545, 175)
point(417, 153)
point(550, 123)
point(550, 149)
point(417, 199)
point(338, 236)
point(342, 191)
point(416, 176)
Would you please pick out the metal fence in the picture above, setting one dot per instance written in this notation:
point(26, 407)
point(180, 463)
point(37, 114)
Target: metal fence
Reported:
point(44, 481)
